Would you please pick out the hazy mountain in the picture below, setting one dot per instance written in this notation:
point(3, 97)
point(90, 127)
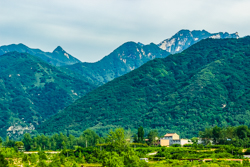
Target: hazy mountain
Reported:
point(207, 84)
point(58, 57)
point(122, 60)
point(185, 38)
point(32, 90)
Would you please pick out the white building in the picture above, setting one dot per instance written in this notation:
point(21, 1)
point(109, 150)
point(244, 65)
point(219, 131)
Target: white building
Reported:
point(173, 138)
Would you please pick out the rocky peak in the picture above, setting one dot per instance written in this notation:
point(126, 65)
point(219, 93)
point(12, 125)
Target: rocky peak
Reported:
point(58, 49)
point(185, 38)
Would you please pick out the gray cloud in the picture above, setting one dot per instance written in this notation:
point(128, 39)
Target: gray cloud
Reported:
point(91, 29)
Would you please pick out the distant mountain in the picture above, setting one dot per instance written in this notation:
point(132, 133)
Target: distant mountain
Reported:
point(208, 84)
point(32, 90)
point(58, 57)
point(122, 60)
point(185, 38)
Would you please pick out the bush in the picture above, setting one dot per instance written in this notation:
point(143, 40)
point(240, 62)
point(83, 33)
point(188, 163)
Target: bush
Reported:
point(176, 145)
point(247, 152)
point(42, 155)
point(187, 145)
point(3, 161)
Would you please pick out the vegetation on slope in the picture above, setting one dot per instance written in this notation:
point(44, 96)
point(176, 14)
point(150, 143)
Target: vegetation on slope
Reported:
point(206, 85)
point(32, 90)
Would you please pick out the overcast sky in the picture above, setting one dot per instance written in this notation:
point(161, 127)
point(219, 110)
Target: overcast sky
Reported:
point(91, 29)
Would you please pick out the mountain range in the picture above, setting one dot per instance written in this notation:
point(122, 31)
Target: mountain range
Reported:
point(131, 55)
point(207, 84)
point(33, 89)
point(58, 57)
point(122, 60)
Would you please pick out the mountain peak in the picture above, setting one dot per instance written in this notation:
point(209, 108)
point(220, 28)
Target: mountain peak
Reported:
point(58, 49)
point(183, 31)
point(185, 38)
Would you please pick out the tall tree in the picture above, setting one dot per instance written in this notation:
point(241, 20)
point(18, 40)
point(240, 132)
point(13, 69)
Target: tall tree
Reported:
point(27, 141)
point(140, 134)
point(135, 138)
point(216, 133)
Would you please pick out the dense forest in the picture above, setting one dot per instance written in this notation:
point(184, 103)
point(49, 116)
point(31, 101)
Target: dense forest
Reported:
point(32, 90)
point(205, 85)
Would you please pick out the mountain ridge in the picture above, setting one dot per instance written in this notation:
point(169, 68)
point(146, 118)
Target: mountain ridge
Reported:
point(55, 58)
point(185, 38)
point(205, 85)
point(122, 60)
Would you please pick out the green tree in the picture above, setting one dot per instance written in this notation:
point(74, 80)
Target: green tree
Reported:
point(27, 141)
point(3, 161)
point(91, 138)
point(131, 159)
point(140, 135)
point(112, 159)
point(216, 133)
point(55, 163)
point(194, 140)
point(116, 139)
point(33, 158)
point(242, 131)
point(64, 145)
point(42, 155)
point(7, 139)
point(71, 140)
point(25, 158)
point(152, 136)
point(42, 164)
point(135, 138)
point(19, 144)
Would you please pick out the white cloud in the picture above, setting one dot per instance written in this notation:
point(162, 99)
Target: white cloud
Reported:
point(91, 29)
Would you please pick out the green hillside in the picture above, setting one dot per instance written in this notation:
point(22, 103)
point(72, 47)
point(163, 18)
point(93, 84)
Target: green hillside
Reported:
point(208, 84)
point(32, 90)
point(122, 60)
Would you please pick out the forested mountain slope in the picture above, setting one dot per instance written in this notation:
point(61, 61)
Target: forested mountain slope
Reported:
point(58, 57)
point(32, 90)
point(207, 84)
point(122, 60)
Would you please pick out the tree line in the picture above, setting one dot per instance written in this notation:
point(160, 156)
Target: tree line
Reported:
point(237, 136)
point(88, 138)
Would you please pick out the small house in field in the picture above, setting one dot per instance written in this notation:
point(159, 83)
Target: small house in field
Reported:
point(172, 138)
